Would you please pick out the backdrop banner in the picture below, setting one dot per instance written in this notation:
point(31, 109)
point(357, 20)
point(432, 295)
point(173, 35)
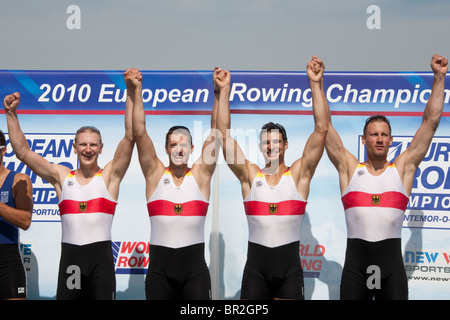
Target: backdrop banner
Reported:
point(54, 104)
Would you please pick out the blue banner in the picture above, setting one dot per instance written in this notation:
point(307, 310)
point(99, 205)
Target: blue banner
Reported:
point(191, 91)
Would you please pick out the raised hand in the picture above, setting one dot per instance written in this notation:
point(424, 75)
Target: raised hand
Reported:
point(315, 69)
point(11, 102)
point(439, 65)
point(221, 78)
point(132, 77)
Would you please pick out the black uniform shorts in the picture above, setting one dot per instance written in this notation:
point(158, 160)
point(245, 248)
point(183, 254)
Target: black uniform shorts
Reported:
point(13, 280)
point(86, 272)
point(178, 274)
point(272, 273)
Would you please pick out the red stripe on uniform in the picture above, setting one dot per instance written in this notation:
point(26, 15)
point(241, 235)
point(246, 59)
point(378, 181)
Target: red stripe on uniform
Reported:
point(283, 208)
point(168, 208)
point(391, 199)
point(91, 206)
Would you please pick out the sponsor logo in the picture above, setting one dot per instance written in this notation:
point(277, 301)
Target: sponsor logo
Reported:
point(427, 266)
point(131, 257)
point(54, 147)
point(311, 259)
point(27, 255)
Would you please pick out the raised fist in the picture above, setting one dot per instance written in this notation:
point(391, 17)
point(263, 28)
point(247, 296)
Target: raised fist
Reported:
point(315, 69)
point(11, 102)
point(221, 78)
point(132, 77)
point(439, 64)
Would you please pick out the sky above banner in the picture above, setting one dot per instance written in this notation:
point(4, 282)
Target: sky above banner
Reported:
point(236, 34)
